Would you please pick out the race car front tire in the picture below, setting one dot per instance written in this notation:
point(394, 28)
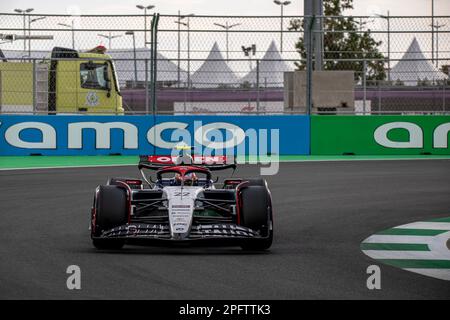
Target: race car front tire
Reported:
point(111, 212)
point(257, 182)
point(256, 214)
point(120, 181)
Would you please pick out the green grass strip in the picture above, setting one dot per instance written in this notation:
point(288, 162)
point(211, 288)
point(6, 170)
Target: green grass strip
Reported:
point(411, 232)
point(62, 161)
point(395, 246)
point(417, 264)
point(28, 162)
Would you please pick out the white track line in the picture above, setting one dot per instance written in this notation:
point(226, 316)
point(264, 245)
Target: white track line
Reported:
point(399, 239)
point(416, 255)
point(426, 226)
point(439, 246)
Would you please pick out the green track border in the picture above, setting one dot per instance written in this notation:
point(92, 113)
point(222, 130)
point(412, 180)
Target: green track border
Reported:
point(44, 162)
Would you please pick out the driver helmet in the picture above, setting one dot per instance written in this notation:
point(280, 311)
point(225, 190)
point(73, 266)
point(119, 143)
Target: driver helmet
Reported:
point(189, 179)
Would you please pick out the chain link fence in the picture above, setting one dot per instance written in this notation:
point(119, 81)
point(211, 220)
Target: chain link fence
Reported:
point(185, 64)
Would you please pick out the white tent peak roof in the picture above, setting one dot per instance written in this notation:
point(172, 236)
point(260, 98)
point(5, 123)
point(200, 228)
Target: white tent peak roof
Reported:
point(414, 51)
point(272, 52)
point(271, 68)
point(215, 53)
point(414, 66)
point(214, 71)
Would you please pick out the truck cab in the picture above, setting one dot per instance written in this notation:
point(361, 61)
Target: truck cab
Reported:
point(68, 82)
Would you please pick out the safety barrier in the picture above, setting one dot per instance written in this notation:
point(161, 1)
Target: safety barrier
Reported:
point(140, 135)
point(215, 135)
point(380, 135)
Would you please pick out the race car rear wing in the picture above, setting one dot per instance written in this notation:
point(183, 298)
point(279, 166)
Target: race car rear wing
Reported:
point(212, 163)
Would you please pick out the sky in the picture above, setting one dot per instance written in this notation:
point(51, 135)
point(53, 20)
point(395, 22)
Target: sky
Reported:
point(220, 7)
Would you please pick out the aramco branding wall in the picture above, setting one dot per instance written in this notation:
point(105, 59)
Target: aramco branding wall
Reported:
point(380, 135)
point(143, 135)
point(215, 135)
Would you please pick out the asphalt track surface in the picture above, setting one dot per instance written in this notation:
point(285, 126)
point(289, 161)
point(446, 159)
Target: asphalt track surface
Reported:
point(323, 211)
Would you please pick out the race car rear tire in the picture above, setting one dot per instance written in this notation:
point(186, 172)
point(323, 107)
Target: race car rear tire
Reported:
point(256, 214)
point(111, 212)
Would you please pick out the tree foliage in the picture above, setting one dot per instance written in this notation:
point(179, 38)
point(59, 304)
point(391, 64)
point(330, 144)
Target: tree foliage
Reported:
point(350, 44)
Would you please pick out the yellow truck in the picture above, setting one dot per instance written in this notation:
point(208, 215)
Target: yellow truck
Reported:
point(68, 82)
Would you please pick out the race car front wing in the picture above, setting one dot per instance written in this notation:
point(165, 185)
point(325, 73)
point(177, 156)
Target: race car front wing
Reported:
point(139, 232)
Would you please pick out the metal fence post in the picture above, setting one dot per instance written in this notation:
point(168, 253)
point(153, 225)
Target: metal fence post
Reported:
point(152, 41)
point(319, 38)
point(155, 63)
point(309, 66)
point(185, 97)
point(379, 96)
point(364, 85)
point(34, 86)
point(257, 87)
point(146, 88)
point(443, 96)
point(1, 91)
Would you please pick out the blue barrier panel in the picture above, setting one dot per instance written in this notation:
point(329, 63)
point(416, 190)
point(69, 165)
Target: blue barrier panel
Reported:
point(139, 135)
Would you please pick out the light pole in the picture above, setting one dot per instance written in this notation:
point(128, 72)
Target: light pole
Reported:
point(110, 37)
point(30, 21)
point(187, 24)
point(180, 23)
point(71, 26)
point(282, 4)
point(227, 28)
point(145, 8)
point(24, 12)
point(388, 19)
point(131, 33)
point(437, 26)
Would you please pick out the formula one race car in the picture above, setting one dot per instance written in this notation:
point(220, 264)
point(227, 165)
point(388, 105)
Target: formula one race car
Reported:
point(182, 205)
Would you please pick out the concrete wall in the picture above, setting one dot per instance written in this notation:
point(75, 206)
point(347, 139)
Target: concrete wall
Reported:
point(332, 90)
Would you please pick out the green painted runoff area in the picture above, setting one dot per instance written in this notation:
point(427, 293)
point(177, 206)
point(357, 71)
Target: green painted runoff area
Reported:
point(29, 162)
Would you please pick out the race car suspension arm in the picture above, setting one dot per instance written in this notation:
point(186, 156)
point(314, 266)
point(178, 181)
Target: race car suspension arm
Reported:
point(147, 205)
point(209, 202)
